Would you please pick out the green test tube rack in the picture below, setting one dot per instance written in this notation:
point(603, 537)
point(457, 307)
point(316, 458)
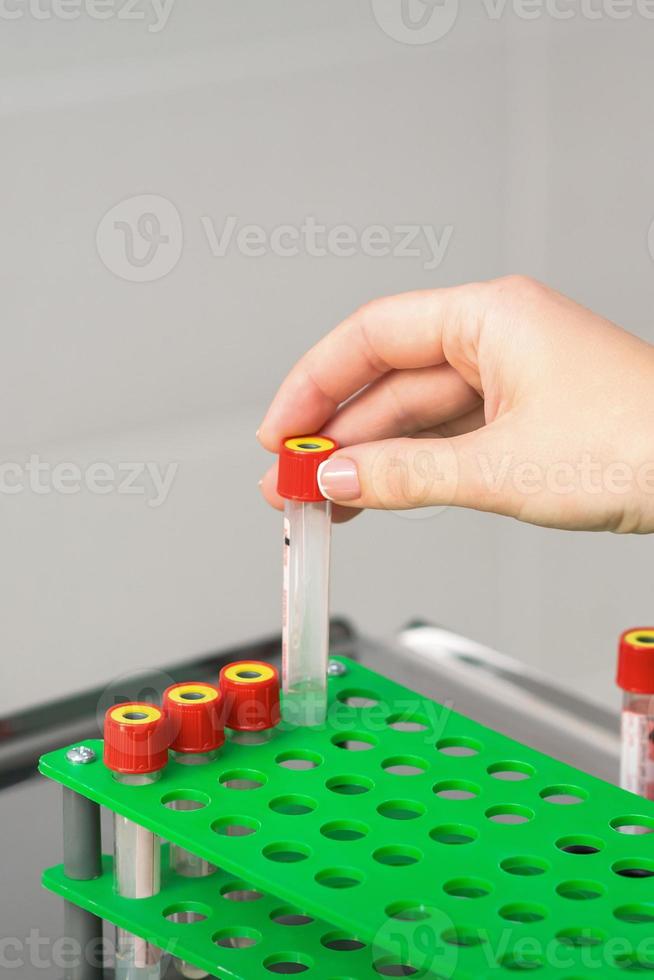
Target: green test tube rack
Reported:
point(399, 839)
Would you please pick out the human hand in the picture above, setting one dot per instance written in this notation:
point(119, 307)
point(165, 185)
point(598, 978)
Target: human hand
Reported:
point(502, 396)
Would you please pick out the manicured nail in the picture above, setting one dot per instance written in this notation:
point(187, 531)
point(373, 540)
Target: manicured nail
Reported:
point(338, 479)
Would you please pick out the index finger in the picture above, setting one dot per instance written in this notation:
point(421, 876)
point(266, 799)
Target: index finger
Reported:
point(402, 331)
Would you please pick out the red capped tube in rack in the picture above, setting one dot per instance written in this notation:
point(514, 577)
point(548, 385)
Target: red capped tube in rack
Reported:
point(636, 678)
point(250, 690)
point(195, 717)
point(136, 738)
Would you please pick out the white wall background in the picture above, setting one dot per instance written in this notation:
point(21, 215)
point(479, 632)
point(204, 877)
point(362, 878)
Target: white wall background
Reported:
point(533, 138)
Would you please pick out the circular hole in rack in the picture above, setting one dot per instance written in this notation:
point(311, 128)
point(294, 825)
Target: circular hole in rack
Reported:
point(454, 833)
point(349, 785)
point(582, 845)
point(521, 962)
point(407, 721)
point(633, 824)
point(293, 806)
point(579, 890)
point(563, 795)
point(525, 866)
point(185, 913)
point(634, 868)
point(641, 913)
point(185, 800)
point(242, 779)
point(468, 888)
point(286, 852)
point(240, 891)
point(298, 760)
point(342, 942)
point(388, 966)
point(408, 911)
point(458, 746)
point(339, 877)
point(354, 741)
point(287, 963)
point(344, 830)
point(237, 937)
point(401, 809)
point(405, 765)
point(397, 855)
point(289, 916)
point(236, 826)
point(523, 912)
point(581, 937)
point(511, 770)
point(635, 962)
point(462, 936)
point(456, 789)
point(358, 698)
point(510, 813)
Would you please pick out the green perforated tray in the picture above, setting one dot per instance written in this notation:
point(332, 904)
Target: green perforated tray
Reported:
point(375, 838)
point(239, 933)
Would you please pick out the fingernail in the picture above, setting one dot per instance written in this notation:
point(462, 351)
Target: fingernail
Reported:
point(338, 479)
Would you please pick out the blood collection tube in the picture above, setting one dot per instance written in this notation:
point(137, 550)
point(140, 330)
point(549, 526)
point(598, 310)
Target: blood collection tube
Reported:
point(636, 678)
point(197, 732)
point(250, 690)
point(136, 750)
point(305, 607)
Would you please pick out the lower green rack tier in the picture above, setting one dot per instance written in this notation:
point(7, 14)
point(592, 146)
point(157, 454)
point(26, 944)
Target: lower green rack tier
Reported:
point(440, 844)
point(223, 925)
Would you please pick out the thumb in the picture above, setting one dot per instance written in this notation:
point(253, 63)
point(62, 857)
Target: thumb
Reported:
point(398, 474)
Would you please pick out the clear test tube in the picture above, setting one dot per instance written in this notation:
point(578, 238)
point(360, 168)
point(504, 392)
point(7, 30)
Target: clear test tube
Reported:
point(636, 678)
point(250, 690)
point(194, 712)
point(136, 750)
point(305, 605)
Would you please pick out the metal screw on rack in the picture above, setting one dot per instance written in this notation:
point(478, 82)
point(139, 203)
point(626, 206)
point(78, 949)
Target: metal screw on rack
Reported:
point(336, 669)
point(81, 755)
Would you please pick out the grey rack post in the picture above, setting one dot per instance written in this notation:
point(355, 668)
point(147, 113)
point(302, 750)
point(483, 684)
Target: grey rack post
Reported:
point(82, 861)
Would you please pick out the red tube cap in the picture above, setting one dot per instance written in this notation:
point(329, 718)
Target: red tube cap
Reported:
point(195, 715)
point(136, 738)
point(299, 459)
point(250, 690)
point(636, 661)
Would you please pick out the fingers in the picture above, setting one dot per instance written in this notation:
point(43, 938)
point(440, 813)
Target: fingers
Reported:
point(399, 332)
point(268, 488)
point(398, 474)
point(403, 403)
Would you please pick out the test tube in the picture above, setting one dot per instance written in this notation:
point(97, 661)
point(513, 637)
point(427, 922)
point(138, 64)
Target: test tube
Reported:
point(136, 750)
point(250, 690)
point(636, 678)
point(305, 605)
point(194, 714)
